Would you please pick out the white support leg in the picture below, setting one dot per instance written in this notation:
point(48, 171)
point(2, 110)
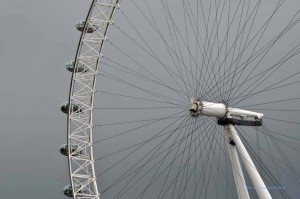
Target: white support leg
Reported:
point(257, 181)
point(236, 167)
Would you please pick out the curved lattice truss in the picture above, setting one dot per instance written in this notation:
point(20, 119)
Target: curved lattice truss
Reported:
point(80, 122)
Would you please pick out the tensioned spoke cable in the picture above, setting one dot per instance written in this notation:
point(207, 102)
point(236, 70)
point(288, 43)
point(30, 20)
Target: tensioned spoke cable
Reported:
point(150, 159)
point(152, 54)
point(181, 167)
point(188, 45)
point(213, 145)
point(184, 65)
point(210, 48)
point(139, 127)
point(198, 37)
point(203, 172)
point(167, 45)
point(159, 166)
point(186, 149)
point(161, 143)
point(172, 163)
point(263, 166)
point(285, 59)
point(138, 169)
point(206, 184)
point(276, 66)
point(269, 88)
point(227, 53)
point(249, 140)
point(176, 29)
point(292, 169)
point(138, 64)
point(266, 170)
point(285, 142)
point(204, 165)
point(247, 62)
point(176, 46)
point(197, 127)
point(283, 135)
point(135, 97)
point(222, 79)
point(239, 51)
point(127, 70)
point(234, 45)
point(160, 96)
point(279, 4)
point(146, 141)
point(272, 102)
point(239, 36)
point(216, 40)
point(280, 120)
point(211, 166)
point(182, 151)
point(170, 33)
point(135, 121)
point(140, 108)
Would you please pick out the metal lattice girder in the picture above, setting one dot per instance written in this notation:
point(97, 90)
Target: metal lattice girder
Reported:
point(82, 91)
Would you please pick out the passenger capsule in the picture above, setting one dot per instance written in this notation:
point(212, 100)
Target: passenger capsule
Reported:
point(80, 68)
point(90, 29)
point(64, 150)
point(68, 191)
point(65, 108)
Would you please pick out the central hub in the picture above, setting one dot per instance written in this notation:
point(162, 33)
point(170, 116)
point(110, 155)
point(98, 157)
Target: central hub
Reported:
point(195, 107)
point(198, 107)
point(224, 114)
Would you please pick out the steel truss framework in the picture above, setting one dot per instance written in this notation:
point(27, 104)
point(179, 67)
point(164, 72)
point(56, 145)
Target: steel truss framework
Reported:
point(82, 90)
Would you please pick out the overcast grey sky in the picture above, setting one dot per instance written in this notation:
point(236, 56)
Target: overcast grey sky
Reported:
point(37, 38)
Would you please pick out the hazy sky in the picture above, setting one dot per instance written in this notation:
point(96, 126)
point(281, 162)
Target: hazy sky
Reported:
point(37, 38)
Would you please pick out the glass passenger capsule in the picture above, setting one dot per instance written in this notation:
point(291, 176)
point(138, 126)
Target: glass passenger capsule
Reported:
point(68, 191)
point(90, 29)
point(64, 150)
point(65, 108)
point(80, 68)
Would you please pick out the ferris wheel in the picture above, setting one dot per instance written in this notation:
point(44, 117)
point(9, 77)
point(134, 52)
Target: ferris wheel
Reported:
point(185, 99)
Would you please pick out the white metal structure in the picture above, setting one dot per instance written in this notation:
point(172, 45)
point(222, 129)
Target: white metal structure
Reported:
point(82, 90)
point(220, 110)
point(85, 69)
point(257, 181)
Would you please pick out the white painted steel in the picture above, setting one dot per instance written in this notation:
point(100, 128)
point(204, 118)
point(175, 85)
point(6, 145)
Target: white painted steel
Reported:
point(213, 109)
point(259, 185)
point(82, 92)
point(219, 110)
point(198, 108)
point(244, 113)
point(240, 183)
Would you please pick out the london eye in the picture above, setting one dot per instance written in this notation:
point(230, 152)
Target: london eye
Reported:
point(185, 99)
